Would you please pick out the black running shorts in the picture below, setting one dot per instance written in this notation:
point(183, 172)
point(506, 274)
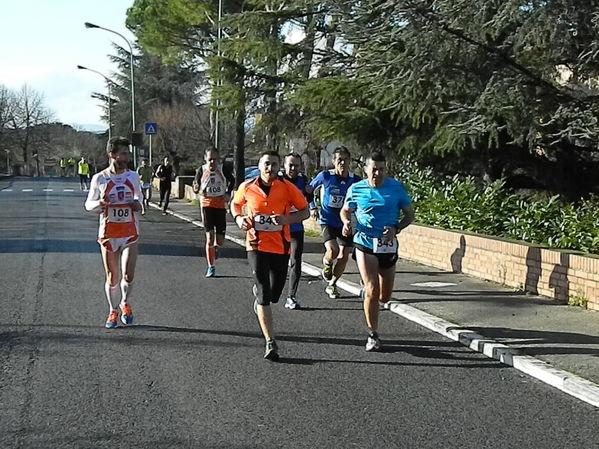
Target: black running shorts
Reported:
point(214, 219)
point(332, 233)
point(387, 260)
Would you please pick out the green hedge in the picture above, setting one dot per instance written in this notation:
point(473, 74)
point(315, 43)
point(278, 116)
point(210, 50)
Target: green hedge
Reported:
point(466, 204)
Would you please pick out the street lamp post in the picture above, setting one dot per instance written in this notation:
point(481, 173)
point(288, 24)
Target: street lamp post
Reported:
point(91, 25)
point(219, 36)
point(80, 67)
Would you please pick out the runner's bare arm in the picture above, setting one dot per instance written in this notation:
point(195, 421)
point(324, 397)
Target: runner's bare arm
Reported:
point(293, 217)
point(407, 217)
point(94, 203)
point(345, 215)
point(137, 196)
point(244, 222)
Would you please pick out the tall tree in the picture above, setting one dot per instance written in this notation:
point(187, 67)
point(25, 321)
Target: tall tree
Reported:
point(27, 113)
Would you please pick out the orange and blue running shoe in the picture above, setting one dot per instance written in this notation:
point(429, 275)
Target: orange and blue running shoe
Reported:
point(112, 319)
point(126, 314)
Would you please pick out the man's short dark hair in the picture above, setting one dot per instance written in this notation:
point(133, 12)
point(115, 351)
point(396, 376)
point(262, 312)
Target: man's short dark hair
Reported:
point(115, 142)
point(293, 154)
point(270, 153)
point(376, 156)
point(341, 149)
point(211, 150)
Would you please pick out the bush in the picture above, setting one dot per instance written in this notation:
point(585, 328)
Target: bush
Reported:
point(465, 203)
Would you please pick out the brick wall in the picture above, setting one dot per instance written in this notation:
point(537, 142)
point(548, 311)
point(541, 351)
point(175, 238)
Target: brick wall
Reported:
point(554, 273)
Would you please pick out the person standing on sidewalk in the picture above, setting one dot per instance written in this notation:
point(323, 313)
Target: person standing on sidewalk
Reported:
point(214, 187)
point(116, 194)
point(262, 207)
point(377, 202)
point(334, 184)
point(292, 174)
point(83, 171)
point(145, 176)
point(166, 174)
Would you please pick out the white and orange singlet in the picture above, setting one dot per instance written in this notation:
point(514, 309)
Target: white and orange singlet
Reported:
point(118, 222)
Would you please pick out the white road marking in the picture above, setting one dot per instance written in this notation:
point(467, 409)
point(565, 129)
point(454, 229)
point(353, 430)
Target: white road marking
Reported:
point(67, 190)
point(7, 190)
point(433, 284)
point(48, 190)
point(27, 190)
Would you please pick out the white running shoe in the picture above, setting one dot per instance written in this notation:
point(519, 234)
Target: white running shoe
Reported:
point(332, 291)
point(291, 303)
point(373, 343)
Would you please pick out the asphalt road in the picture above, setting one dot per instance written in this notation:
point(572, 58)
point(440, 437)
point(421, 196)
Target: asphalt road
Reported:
point(189, 373)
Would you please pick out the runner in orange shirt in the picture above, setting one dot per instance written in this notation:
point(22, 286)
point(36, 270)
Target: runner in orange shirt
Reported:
point(116, 194)
point(214, 187)
point(268, 202)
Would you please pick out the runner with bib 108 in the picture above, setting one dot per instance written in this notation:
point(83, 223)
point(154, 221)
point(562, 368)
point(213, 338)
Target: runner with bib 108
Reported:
point(377, 202)
point(116, 194)
point(214, 187)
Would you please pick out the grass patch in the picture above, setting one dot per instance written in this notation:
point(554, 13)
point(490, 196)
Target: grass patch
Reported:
point(310, 233)
point(578, 300)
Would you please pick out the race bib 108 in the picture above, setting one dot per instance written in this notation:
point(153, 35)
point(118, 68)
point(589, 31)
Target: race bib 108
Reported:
point(379, 247)
point(266, 223)
point(215, 190)
point(119, 214)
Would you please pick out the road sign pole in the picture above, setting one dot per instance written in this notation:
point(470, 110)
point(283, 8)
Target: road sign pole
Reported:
point(150, 150)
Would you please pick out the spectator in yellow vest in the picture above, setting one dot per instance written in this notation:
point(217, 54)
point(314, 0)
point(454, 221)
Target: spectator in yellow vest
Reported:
point(63, 166)
point(83, 170)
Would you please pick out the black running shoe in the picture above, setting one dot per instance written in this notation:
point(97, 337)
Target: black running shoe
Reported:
point(270, 352)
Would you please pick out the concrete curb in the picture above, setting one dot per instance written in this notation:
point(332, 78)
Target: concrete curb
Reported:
point(571, 384)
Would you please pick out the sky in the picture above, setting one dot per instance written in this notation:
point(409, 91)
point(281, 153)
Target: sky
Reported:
point(43, 41)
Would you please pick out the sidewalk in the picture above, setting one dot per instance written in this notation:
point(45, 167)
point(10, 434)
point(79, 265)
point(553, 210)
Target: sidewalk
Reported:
point(554, 343)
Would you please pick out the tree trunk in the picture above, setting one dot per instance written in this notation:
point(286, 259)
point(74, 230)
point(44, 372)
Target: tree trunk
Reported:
point(240, 146)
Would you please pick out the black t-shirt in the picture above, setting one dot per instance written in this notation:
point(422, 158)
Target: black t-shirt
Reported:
point(165, 171)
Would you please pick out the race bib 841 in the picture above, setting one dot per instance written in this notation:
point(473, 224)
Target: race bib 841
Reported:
point(266, 223)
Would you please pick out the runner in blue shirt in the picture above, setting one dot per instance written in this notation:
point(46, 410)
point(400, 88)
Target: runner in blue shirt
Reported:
point(377, 203)
point(334, 184)
point(292, 166)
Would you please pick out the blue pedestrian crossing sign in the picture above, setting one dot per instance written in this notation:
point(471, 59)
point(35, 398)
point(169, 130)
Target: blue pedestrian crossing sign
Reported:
point(151, 129)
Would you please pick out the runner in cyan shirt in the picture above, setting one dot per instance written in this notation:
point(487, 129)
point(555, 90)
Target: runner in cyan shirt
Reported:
point(377, 202)
point(333, 184)
point(116, 194)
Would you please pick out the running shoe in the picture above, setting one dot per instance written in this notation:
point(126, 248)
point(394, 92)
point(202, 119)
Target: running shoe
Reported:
point(384, 305)
point(332, 291)
point(163, 213)
point(327, 271)
point(256, 306)
point(373, 343)
point(271, 351)
point(362, 294)
point(291, 303)
point(211, 272)
point(255, 290)
point(112, 320)
point(126, 314)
